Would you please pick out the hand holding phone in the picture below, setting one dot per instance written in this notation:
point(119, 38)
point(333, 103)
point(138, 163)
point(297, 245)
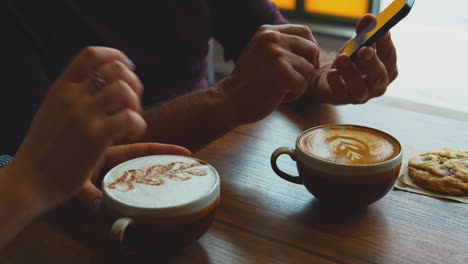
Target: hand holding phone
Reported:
point(388, 18)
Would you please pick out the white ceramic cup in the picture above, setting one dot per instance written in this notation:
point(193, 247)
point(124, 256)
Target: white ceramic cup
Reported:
point(161, 202)
point(341, 184)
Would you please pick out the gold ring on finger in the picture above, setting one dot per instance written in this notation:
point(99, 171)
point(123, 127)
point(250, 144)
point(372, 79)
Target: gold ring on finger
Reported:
point(98, 81)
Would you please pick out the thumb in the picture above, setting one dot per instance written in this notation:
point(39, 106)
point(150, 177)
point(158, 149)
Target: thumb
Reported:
point(364, 22)
point(90, 196)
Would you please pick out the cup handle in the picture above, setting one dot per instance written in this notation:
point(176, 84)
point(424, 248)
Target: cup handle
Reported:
point(118, 232)
point(275, 155)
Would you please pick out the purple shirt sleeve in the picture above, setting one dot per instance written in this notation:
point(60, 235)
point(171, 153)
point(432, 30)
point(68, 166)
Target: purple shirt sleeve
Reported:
point(235, 21)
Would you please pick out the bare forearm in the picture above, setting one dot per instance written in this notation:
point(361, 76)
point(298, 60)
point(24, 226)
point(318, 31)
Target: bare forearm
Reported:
point(261, 80)
point(18, 206)
point(192, 120)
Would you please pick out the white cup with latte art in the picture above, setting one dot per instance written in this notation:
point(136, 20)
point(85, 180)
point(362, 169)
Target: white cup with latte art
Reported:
point(161, 202)
point(344, 165)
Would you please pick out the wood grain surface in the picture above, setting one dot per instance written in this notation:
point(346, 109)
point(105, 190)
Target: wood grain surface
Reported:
point(264, 219)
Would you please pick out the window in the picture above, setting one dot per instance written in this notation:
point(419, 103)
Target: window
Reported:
point(285, 4)
point(333, 11)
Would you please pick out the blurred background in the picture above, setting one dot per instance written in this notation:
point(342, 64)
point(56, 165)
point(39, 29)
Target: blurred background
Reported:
point(431, 45)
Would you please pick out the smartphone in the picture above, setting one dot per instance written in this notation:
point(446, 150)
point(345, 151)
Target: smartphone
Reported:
point(388, 18)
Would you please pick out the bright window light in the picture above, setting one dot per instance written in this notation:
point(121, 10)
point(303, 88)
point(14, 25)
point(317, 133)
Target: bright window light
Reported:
point(285, 4)
point(353, 9)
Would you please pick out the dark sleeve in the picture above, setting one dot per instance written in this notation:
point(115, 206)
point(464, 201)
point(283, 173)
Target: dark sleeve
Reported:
point(23, 82)
point(235, 21)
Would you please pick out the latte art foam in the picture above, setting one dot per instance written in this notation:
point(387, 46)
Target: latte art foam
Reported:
point(160, 181)
point(349, 145)
point(157, 175)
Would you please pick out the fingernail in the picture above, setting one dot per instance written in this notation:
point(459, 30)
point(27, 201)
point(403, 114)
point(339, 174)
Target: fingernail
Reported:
point(132, 65)
point(342, 62)
point(96, 205)
point(359, 95)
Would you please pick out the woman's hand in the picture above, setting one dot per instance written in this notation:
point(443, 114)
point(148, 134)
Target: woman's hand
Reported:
point(91, 196)
point(76, 123)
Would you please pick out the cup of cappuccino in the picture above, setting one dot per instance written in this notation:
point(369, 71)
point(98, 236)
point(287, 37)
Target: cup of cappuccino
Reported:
point(160, 203)
point(344, 165)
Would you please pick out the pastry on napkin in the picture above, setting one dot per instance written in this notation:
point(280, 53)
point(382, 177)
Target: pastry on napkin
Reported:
point(440, 173)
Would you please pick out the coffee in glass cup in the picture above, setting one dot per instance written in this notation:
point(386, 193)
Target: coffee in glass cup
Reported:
point(344, 165)
point(161, 203)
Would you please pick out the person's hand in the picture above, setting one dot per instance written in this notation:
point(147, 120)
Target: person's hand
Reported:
point(91, 196)
point(76, 123)
point(348, 82)
point(274, 68)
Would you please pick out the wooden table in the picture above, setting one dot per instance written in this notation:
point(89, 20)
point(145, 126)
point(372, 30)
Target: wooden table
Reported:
point(264, 219)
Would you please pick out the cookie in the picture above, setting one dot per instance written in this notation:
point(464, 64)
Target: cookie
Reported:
point(443, 171)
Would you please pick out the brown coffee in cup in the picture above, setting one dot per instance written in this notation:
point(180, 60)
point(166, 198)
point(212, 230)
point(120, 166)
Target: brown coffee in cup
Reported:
point(345, 165)
point(349, 144)
point(161, 203)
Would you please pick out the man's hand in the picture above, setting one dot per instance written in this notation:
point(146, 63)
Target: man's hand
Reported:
point(274, 68)
point(348, 82)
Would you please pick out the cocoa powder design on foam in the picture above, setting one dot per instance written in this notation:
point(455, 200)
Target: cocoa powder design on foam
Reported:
point(154, 175)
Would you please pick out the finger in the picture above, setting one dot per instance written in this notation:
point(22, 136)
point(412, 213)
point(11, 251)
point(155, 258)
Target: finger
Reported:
point(125, 123)
point(321, 92)
point(376, 75)
point(298, 39)
point(387, 53)
point(116, 70)
point(364, 22)
point(97, 173)
point(338, 90)
point(296, 30)
point(118, 154)
point(300, 65)
point(89, 59)
point(117, 96)
point(305, 49)
point(88, 194)
point(357, 87)
point(296, 83)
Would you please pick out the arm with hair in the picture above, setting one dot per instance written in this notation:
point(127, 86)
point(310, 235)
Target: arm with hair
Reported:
point(195, 119)
point(192, 120)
